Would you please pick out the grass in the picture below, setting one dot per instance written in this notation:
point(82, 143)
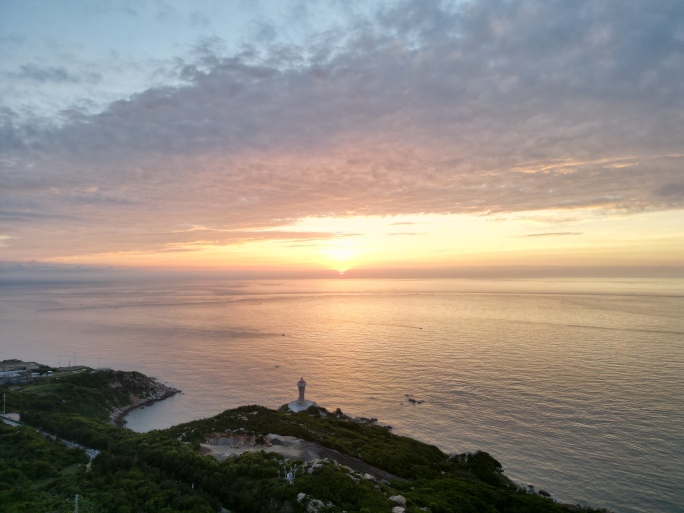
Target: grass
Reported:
point(72, 470)
point(41, 389)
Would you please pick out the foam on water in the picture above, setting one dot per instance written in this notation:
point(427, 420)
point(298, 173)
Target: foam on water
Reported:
point(575, 387)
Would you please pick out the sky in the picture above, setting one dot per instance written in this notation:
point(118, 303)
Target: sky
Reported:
point(342, 136)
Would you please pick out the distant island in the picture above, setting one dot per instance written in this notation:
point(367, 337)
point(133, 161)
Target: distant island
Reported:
point(64, 446)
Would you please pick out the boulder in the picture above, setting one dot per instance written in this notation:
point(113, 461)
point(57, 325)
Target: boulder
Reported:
point(399, 499)
point(314, 506)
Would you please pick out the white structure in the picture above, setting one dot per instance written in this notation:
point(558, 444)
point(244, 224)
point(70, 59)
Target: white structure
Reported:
point(301, 384)
point(11, 373)
point(301, 403)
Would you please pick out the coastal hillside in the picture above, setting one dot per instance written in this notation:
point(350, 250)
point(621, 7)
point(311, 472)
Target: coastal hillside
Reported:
point(99, 394)
point(249, 459)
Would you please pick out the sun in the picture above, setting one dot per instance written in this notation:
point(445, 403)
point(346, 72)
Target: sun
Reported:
point(340, 257)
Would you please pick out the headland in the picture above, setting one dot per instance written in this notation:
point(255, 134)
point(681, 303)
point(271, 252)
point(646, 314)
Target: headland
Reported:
point(249, 458)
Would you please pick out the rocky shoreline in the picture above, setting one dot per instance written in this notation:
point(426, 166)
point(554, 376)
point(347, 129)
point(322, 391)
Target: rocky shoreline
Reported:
point(162, 392)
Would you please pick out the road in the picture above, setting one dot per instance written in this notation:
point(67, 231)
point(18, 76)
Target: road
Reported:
point(8, 421)
point(90, 452)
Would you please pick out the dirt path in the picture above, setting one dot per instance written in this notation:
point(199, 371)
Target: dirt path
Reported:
point(289, 447)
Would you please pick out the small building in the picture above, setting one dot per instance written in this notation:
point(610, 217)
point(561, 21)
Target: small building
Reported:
point(11, 373)
point(7, 376)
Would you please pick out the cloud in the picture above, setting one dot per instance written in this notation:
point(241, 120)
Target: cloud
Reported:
point(53, 74)
point(672, 190)
point(45, 74)
point(429, 108)
point(128, 238)
point(20, 216)
point(551, 234)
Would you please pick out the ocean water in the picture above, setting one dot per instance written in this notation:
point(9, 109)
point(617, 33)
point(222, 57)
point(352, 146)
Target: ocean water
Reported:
point(576, 386)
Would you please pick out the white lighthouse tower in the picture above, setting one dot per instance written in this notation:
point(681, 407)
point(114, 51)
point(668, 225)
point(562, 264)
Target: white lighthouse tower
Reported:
point(301, 403)
point(301, 384)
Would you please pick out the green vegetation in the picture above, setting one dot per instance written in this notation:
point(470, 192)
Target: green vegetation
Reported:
point(377, 446)
point(92, 394)
point(164, 471)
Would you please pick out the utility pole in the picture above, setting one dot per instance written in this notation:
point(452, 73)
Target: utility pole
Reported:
point(4, 399)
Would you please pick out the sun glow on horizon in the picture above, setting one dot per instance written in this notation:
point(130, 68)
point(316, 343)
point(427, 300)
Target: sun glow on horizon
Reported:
point(545, 238)
point(341, 256)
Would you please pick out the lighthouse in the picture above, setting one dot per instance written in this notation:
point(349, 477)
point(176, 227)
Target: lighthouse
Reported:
point(301, 385)
point(301, 403)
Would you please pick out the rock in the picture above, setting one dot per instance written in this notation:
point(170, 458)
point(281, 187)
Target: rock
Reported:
point(544, 493)
point(314, 506)
point(369, 477)
point(276, 441)
point(225, 441)
point(314, 467)
point(398, 509)
point(301, 497)
point(399, 499)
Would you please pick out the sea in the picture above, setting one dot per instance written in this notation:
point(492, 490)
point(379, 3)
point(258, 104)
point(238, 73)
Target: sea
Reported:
point(576, 386)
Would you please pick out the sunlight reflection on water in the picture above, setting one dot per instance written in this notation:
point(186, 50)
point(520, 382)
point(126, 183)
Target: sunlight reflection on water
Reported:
point(574, 386)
